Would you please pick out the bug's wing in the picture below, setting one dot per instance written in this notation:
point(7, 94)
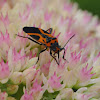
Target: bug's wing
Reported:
point(31, 30)
point(38, 34)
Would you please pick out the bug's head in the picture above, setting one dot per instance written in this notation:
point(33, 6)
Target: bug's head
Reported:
point(55, 47)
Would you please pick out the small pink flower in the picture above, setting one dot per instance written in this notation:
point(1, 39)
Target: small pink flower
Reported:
point(27, 96)
point(54, 81)
point(45, 68)
point(35, 88)
point(69, 33)
point(83, 45)
point(86, 44)
point(95, 59)
point(2, 2)
point(31, 55)
point(3, 96)
point(4, 38)
point(70, 23)
point(35, 3)
point(17, 56)
point(85, 74)
point(30, 74)
point(68, 7)
point(86, 18)
point(83, 96)
point(24, 17)
point(5, 19)
point(4, 70)
point(61, 67)
point(75, 57)
point(63, 20)
point(47, 16)
point(17, 60)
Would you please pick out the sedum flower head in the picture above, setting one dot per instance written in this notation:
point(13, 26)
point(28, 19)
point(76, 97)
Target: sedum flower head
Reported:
point(54, 81)
point(76, 78)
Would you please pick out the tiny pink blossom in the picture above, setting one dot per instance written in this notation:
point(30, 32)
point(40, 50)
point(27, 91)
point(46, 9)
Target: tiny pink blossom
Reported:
point(31, 55)
point(3, 96)
point(68, 7)
point(47, 16)
point(83, 96)
point(4, 38)
point(17, 56)
point(69, 33)
point(85, 74)
point(24, 17)
point(54, 81)
point(70, 23)
point(86, 18)
point(2, 2)
point(5, 19)
point(35, 3)
point(35, 88)
point(4, 70)
point(97, 57)
point(82, 45)
point(63, 20)
point(85, 58)
point(75, 57)
point(61, 66)
point(45, 68)
point(27, 96)
point(36, 73)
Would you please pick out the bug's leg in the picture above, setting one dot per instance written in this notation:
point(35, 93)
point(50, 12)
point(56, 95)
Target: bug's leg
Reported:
point(41, 52)
point(54, 57)
point(49, 30)
point(29, 39)
point(58, 56)
point(64, 54)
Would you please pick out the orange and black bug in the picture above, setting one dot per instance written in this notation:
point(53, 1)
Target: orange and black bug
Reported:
point(45, 38)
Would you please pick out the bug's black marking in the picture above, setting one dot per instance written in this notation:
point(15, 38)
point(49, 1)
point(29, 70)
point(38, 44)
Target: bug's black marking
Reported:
point(31, 30)
point(54, 38)
point(45, 38)
point(35, 37)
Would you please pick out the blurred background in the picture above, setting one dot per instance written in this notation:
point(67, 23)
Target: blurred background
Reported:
point(90, 5)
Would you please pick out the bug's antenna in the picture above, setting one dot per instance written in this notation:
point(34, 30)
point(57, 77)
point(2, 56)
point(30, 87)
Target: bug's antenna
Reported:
point(69, 40)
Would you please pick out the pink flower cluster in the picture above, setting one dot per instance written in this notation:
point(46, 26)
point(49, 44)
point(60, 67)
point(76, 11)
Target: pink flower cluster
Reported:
point(77, 77)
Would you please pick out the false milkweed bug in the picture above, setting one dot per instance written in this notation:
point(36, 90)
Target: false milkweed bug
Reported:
point(44, 37)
